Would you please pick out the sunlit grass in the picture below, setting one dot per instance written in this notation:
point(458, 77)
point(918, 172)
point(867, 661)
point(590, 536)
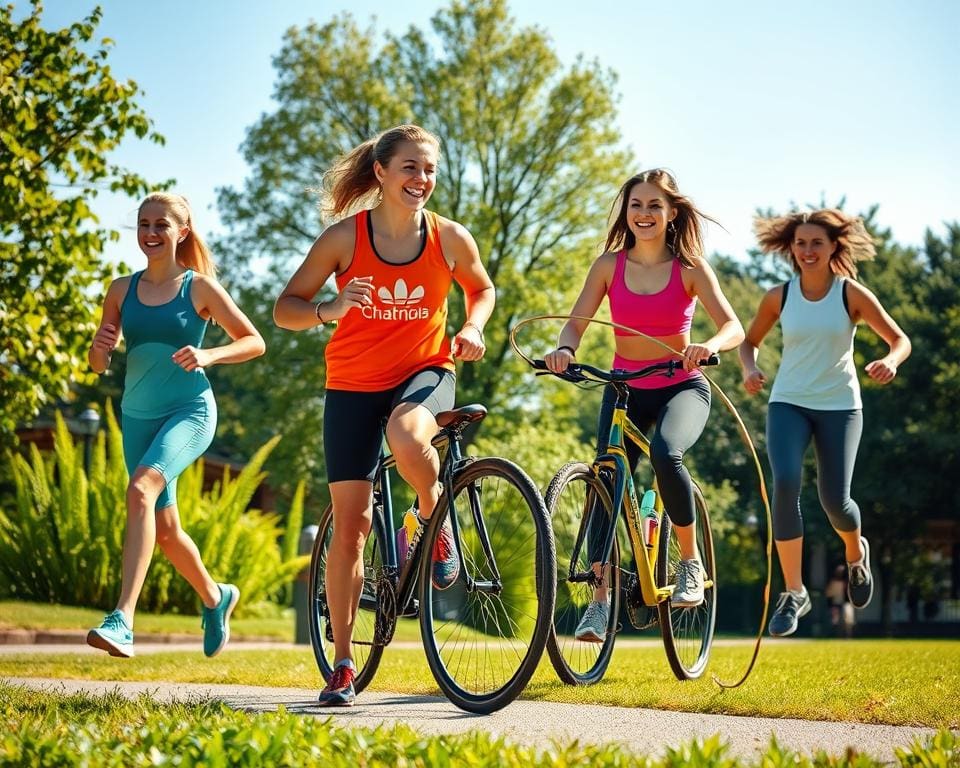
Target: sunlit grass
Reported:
point(43, 728)
point(897, 682)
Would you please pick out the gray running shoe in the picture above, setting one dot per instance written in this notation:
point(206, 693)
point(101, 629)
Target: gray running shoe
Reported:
point(593, 626)
point(790, 607)
point(688, 592)
point(860, 580)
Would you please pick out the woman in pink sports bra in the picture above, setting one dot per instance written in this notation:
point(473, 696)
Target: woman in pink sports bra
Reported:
point(653, 272)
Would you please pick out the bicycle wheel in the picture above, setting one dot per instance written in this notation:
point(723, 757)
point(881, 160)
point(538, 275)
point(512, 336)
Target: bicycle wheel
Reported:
point(366, 654)
point(575, 493)
point(484, 634)
point(688, 632)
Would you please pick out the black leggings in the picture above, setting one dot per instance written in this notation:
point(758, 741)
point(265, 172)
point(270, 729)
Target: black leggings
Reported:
point(836, 437)
point(680, 413)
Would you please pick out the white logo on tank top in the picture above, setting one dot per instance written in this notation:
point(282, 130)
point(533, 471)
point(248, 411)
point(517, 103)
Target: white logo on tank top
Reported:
point(399, 305)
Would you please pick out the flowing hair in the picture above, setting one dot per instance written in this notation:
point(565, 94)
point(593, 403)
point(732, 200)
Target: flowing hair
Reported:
point(684, 233)
point(192, 253)
point(351, 184)
point(775, 234)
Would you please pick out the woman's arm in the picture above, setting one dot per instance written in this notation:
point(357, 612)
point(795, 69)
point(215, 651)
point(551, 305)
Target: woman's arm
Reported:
point(588, 302)
point(107, 337)
point(479, 295)
point(865, 306)
point(246, 342)
point(331, 252)
point(729, 330)
point(767, 314)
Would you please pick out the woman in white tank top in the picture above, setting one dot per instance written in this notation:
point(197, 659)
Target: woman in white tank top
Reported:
point(816, 394)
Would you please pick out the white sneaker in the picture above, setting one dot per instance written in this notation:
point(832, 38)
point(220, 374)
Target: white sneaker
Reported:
point(593, 626)
point(688, 592)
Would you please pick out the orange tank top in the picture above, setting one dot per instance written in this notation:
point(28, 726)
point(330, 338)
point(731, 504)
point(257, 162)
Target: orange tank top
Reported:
point(377, 347)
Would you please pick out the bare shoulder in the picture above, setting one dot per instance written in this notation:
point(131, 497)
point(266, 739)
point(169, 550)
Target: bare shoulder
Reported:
point(858, 290)
point(605, 263)
point(454, 234)
point(335, 244)
point(117, 290)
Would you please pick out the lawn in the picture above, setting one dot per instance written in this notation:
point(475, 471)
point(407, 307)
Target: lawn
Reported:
point(897, 682)
point(108, 730)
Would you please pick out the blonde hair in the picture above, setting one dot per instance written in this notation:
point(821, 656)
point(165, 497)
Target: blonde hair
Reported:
point(192, 253)
point(775, 234)
point(684, 233)
point(351, 183)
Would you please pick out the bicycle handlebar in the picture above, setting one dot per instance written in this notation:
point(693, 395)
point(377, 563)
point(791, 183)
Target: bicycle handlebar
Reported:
point(579, 372)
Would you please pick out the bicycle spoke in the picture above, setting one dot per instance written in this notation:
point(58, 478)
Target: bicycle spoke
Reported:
point(483, 642)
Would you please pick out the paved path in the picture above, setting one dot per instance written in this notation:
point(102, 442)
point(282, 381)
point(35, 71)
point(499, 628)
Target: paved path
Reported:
point(532, 722)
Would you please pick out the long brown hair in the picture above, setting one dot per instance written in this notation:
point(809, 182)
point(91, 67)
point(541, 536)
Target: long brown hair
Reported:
point(351, 183)
point(775, 235)
point(684, 233)
point(192, 253)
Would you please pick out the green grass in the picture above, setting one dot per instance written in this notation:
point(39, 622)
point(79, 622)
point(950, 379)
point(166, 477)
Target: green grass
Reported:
point(896, 682)
point(56, 729)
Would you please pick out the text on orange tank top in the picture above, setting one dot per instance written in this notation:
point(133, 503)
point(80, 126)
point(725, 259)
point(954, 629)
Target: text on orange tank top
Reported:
point(404, 330)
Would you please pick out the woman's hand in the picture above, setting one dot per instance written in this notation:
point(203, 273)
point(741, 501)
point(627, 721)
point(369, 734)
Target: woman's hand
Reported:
point(753, 380)
point(882, 371)
point(106, 338)
point(559, 360)
point(358, 292)
point(191, 358)
point(694, 354)
point(468, 343)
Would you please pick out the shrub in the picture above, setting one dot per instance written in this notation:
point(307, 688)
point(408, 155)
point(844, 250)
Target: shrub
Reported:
point(61, 539)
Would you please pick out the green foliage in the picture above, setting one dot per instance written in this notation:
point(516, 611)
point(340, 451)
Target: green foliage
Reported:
point(63, 113)
point(62, 539)
point(523, 138)
point(108, 730)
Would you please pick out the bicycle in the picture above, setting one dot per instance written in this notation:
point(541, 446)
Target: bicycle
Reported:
point(577, 493)
point(485, 634)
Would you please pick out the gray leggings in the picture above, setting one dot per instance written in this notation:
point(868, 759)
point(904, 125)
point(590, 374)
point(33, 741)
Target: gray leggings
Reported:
point(836, 437)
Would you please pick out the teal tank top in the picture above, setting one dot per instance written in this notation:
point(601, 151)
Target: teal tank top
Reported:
point(155, 386)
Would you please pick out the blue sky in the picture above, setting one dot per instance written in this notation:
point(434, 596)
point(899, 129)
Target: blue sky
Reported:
point(749, 103)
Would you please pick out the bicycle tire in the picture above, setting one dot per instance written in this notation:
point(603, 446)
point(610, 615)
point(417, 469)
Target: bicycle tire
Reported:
point(568, 501)
point(688, 632)
point(366, 654)
point(482, 644)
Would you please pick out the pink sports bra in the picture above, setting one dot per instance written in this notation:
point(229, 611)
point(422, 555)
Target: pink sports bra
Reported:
point(666, 313)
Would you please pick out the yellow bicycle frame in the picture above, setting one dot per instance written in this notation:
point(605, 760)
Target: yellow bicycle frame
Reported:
point(625, 495)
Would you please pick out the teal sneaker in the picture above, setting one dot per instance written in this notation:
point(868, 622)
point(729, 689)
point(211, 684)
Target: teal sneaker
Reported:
point(216, 621)
point(113, 636)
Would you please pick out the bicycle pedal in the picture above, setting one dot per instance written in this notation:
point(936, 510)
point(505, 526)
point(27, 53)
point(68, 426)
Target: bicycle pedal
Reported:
point(412, 610)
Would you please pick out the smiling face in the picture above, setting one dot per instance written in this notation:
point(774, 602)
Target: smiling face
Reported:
point(409, 177)
point(812, 247)
point(648, 211)
point(158, 230)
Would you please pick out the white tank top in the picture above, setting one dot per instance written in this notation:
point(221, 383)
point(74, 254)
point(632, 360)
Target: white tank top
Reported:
point(817, 369)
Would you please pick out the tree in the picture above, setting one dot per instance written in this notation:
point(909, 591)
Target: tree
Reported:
point(64, 112)
point(529, 165)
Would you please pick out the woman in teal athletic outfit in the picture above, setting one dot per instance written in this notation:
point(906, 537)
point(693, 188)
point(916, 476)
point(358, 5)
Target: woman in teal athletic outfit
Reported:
point(169, 415)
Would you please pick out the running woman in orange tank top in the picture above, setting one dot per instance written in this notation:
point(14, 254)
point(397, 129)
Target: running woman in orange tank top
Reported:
point(389, 356)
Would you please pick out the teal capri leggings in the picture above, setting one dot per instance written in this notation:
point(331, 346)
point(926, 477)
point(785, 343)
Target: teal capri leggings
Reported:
point(836, 437)
point(171, 443)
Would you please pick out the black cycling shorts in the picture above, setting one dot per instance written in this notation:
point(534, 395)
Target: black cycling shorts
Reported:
point(354, 422)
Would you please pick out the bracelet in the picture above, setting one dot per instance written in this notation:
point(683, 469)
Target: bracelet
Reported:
point(569, 349)
point(317, 311)
point(474, 325)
